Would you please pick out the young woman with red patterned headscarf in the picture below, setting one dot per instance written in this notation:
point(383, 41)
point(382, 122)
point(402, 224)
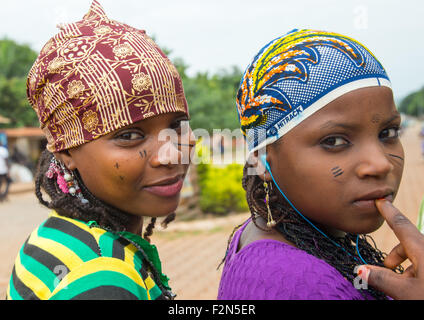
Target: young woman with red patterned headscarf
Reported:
point(104, 93)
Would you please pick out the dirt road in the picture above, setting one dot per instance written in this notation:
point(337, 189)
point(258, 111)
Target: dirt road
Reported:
point(191, 251)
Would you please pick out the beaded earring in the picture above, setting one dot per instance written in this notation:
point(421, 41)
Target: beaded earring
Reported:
point(65, 179)
point(271, 222)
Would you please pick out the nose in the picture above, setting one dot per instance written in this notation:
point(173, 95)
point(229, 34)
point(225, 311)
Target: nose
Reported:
point(167, 154)
point(374, 162)
point(174, 148)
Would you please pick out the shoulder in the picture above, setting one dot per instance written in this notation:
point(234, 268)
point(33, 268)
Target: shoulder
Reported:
point(104, 278)
point(86, 240)
point(271, 269)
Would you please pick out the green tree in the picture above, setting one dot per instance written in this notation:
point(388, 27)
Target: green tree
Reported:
point(14, 104)
point(15, 59)
point(15, 62)
point(211, 99)
point(413, 104)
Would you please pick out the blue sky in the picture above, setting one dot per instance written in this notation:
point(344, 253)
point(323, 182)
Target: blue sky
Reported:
point(214, 35)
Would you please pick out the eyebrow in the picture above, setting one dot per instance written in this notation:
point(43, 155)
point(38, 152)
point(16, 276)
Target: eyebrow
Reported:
point(395, 116)
point(332, 125)
point(350, 126)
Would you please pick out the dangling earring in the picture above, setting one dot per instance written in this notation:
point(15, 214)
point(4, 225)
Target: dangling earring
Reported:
point(65, 179)
point(270, 220)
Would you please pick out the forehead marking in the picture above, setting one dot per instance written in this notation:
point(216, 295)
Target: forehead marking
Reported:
point(376, 118)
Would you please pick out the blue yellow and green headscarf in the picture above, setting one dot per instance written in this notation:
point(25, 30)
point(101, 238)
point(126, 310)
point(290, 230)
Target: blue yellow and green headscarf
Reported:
point(297, 74)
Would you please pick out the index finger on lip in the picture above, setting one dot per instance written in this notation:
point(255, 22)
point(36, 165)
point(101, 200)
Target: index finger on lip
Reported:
point(392, 215)
point(404, 229)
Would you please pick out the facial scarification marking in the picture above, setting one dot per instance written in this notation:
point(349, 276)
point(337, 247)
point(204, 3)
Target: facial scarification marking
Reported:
point(337, 171)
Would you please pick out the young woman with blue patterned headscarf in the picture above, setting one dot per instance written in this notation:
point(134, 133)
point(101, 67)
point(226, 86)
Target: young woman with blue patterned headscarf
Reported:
point(318, 114)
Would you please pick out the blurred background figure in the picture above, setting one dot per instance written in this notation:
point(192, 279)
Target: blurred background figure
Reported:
point(422, 140)
point(422, 147)
point(4, 170)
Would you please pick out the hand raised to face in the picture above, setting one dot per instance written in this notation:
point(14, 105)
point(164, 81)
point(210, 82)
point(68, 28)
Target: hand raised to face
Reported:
point(410, 284)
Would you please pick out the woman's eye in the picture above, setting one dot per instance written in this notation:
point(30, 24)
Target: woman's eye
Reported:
point(334, 142)
point(177, 124)
point(130, 136)
point(389, 133)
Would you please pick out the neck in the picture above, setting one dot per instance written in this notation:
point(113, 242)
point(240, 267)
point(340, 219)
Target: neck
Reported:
point(135, 225)
point(332, 231)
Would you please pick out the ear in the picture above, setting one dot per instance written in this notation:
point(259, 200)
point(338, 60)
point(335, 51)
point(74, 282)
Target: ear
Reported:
point(66, 158)
point(257, 165)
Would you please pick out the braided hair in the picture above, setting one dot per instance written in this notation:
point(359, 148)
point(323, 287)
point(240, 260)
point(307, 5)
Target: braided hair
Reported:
point(67, 205)
point(296, 230)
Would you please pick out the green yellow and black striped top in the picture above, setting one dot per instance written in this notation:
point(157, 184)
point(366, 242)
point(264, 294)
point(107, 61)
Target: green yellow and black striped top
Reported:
point(67, 259)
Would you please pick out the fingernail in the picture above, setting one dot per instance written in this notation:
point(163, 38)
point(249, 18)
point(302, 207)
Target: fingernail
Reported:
point(363, 272)
point(386, 202)
point(383, 201)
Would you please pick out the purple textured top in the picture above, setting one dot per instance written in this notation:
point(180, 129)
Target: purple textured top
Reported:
point(273, 270)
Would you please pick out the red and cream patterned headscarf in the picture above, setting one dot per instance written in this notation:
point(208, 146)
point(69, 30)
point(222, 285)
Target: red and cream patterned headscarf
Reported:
point(98, 75)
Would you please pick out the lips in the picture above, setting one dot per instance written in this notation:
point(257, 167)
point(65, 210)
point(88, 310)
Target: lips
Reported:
point(169, 187)
point(367, 201)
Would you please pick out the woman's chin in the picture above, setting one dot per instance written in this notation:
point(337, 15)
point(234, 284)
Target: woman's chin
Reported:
point(367, 226)
point(158, 208)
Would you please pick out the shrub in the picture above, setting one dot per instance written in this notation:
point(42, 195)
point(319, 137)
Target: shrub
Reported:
point(221, 190)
